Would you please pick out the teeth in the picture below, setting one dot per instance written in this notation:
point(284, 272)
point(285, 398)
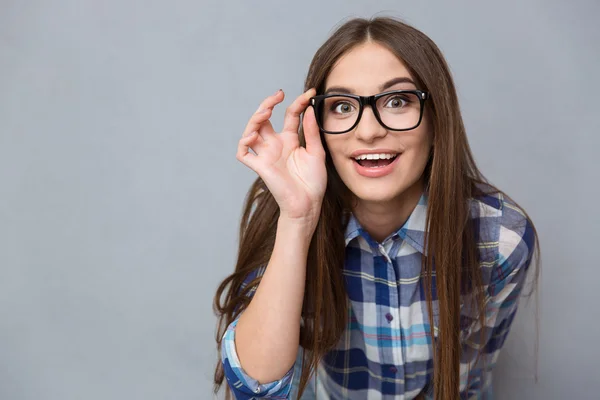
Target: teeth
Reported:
point(375, 156)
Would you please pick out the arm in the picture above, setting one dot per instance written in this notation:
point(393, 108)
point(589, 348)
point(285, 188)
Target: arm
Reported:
point(271, 323)
point(516, 245)
point(260, 347)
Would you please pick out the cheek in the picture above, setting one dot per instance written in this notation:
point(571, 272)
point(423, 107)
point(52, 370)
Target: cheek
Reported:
point(335, 148)
point(423, 141)
point(424, 148)
point(417, 155)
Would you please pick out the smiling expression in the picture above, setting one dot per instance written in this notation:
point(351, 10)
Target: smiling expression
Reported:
point(375, 163)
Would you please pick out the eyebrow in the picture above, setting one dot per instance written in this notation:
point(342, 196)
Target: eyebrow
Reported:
point(383, 87)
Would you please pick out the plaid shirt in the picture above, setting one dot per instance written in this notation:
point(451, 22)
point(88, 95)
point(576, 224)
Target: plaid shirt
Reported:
point(385, 351)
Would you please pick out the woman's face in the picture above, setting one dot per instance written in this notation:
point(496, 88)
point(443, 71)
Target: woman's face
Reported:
point(367, 70)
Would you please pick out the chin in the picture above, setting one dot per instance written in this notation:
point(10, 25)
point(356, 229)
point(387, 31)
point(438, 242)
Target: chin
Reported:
point(378, 193)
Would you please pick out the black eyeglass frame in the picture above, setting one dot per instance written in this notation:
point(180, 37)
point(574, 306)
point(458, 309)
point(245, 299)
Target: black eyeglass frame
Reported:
point(364, 101)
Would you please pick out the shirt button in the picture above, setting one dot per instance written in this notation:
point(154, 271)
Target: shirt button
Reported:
point(389, 317)
point(393, 370)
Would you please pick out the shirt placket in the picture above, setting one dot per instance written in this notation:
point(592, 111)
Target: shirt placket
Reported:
point(392, 357)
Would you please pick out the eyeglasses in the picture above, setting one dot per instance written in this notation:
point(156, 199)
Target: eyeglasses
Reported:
point(397, 110)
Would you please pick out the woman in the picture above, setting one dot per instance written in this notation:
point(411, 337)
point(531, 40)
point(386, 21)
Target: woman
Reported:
point(364, 230)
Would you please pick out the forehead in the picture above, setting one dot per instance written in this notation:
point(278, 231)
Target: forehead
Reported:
point(364, 68)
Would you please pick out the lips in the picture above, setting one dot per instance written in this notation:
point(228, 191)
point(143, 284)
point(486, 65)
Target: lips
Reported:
point(373, 153)
point(376, 162)
point(376, 168)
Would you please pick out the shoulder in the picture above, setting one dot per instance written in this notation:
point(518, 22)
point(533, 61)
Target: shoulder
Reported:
point(493, 210)
point(504, 233)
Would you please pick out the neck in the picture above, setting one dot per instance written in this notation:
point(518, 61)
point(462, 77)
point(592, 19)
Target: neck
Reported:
point(381, 219)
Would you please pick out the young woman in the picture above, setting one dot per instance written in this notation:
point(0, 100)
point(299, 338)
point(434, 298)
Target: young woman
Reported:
point(375, 260)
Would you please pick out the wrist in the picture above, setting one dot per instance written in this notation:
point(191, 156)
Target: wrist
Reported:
point(298, 228)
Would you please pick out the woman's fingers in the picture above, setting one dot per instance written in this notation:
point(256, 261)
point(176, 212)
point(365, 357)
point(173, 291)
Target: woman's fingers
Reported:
point(266, 130)
point(291, 121)
point(271, 101)
point(258, 120)
point(248, 142)
point(259, 129)
point(314, 146)
point(263, 113)
point(254, 141)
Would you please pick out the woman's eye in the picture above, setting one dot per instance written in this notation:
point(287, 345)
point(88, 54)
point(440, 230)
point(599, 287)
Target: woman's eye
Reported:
point(343, 108)
point(396, 102)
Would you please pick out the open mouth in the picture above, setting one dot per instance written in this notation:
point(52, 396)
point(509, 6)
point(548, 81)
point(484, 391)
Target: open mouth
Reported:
point(375, 160)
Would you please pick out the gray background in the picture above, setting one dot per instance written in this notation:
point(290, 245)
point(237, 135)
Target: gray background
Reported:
point(120, 194)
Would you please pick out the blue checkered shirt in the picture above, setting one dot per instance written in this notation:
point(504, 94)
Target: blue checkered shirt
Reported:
point(385, 351)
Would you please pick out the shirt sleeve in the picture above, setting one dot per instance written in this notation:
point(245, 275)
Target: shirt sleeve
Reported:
point(240, 383)
point(515, 249)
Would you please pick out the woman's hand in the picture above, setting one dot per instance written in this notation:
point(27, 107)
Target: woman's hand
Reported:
point(296, 176)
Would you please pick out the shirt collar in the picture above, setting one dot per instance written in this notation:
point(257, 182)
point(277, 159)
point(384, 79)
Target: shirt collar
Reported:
point(413, 231)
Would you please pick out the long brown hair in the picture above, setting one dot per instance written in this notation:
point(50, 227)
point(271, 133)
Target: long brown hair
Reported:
point(452, 179)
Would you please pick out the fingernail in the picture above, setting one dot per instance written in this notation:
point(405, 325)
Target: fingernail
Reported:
point(264, 110)
point(249, 134)
point(277, 92)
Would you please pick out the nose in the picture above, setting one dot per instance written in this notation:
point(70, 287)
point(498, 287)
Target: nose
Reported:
point(369, 129)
